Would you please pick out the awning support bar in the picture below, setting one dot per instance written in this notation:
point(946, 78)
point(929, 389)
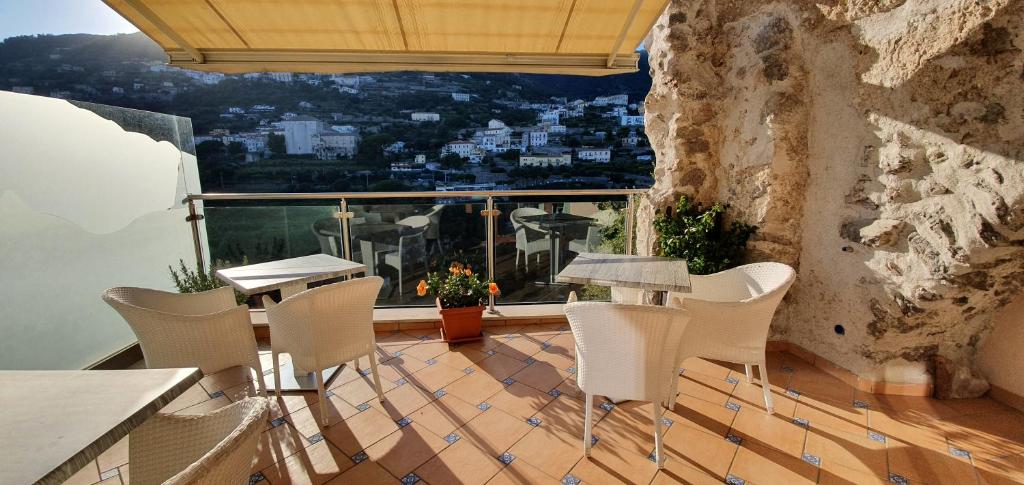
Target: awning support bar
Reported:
point(625, 29)
point(165, 29)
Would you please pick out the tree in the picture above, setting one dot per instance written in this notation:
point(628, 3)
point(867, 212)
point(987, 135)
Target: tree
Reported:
point(371, 149)
point(573, 142)
point(276, 144)
point(452, 161)
point(237, 151)
point(210, 151)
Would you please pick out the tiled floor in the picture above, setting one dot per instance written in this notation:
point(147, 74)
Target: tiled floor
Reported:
point(506, 410)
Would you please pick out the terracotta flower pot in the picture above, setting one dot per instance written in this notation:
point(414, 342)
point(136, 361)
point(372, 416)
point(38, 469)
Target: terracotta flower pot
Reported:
point(460, 324)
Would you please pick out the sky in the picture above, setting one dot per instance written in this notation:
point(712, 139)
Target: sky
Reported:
point(26, 17)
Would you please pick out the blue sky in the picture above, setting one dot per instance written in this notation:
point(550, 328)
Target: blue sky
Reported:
point(24, 17)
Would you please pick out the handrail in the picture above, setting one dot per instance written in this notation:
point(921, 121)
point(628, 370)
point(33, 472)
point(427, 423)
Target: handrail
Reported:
point(408, 195)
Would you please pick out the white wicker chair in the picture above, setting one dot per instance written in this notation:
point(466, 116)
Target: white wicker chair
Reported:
point(215, 448)
point(626, 351)
point(206, 330)
point(731, 312)
point(325, 327)
point(530, 239)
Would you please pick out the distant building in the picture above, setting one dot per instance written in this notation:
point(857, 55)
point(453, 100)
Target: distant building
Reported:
point(495, 124)
point(421, 158)
point(299, 132)
point(535, 138)
point(557, 129)
point(396, 147)
point(546, 158)
point(464, 149)
point(598, 155)
point(631, 120)
point(330, 144)
point(618, 99)
point(281, 77)
point(549, 117)
point(262, 108)
point(418, 116)
point(406, 167)
point(460, 96)
point(305, 104)
point(619, 111)
point(236, 110)
point(631, 139)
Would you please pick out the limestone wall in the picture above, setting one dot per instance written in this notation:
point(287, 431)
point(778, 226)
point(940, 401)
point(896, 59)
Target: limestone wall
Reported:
point(878, 144)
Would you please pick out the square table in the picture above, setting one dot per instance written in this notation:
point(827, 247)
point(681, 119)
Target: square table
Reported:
point(291, 275)
point(651, 273)
point(56, 422)
point(556, 224)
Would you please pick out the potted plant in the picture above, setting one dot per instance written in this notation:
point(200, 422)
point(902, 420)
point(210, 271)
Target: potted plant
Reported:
point(460, 296)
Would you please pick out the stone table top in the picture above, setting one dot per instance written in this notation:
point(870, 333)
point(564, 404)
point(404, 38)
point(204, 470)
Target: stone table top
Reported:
point(56, 422)
point(650, 273)
point(264, 277)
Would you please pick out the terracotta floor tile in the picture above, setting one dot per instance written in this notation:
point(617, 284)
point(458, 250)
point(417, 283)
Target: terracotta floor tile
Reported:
point(404, 450)
point(608, 465)
point(540, 376)
point(822, 386)
point(242, 391)
point(774, 431)
point(475, 388)
point(846, 419)
point(362, 390)
point(845, 476)
point(360, 431)
point(365, 473)
point(461, 357)
point(557, 358)
point(313, 465)
point(125, 474)
point(976, 406)
point(519, 347)
point(114, 456)
point(759, 464)
point(923, 406)
point(850, 451)
point(519, 400)
point(631, 432)
point(688, 385)
point(927, 465)
point(277, 444)
point(227, 378)
point(426, 350)
point(712, 417)
point(460, 463)
point(88, 475)
point(570, 388)
point(444, 415)
point(494, 431)
point(425, 334)
point(192, 396)
point(709, 453)
point(403, 401)
point(435, 377)
point(566, 416)
point(399, 367)
point(520, 472)
point(703, 382)
point(290, 403)
point(550, 452)
point(706, 367)
point(206, 406)
point(751, 396)
point(911, 429)
point(500, 366)
point(502, 330)
point(990, 435)
point(999, 471)
point(676, 471)
point(307, 419)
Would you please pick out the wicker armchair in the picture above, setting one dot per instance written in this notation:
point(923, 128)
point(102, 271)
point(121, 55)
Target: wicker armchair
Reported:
point(626, 351)
point(207, 330)
point(214, 449)
point(530, 238)
point(325, 327)
point(731, 312)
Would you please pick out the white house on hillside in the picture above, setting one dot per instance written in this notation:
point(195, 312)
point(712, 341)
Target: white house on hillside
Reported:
point(418, 116)
point(598, 155)
point(299, 132)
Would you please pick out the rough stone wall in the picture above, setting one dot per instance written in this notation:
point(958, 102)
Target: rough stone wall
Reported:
point(878, 144)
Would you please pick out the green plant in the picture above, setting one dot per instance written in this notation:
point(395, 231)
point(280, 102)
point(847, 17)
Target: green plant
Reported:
point(700, 236)
point(459, 288)
point(198, 280)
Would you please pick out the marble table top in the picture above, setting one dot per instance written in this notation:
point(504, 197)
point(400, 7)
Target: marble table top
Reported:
point(264, 277)
point(56, 422)
point(650, 273)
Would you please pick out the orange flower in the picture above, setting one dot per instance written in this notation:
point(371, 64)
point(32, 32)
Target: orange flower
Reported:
point(468, 272)
point(493, 289)
point(421, 289)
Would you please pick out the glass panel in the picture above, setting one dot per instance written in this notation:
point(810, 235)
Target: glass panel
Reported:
point(537, 237)
point(401, 242)
point(90, 198)
point(249, 234)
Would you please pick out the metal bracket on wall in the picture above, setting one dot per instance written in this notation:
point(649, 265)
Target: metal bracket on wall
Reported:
point(344, 215)
point(194, 217)
point(490, 213)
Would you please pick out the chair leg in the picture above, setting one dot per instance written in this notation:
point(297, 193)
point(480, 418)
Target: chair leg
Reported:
point(659, 452)
point(766, 388)
point(588, 424)
point(262, 380)
point(323, 397)
point(400, 295)
point(750, 372)
point(376, 377)
point(517, 259)
point(277, 374)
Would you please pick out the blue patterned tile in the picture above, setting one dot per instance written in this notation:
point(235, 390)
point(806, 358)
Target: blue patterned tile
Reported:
point(533, 422)
point(430, 361)
point(898, 479)
point(734, 480)
point(397, 353)
point(545, 345)
point(316, 438)
point(530, 361)
point(732, 405)
point(363, 407)
point(736, 440)
point(959, 452)
point(360, 457)
point(451, 438)
point(876, 436)
point(329, 394)
point(554, 393)
point(803, 423)
point(277, 422)
point(401, 382)
point(467, 370)
point(667, 422)
point(651, 457)
point(594, 439)
point(607, 406)
point(406, 421)
point(506, 458)
point(490, 352)
point(510, 337)
point(861, 404)
point(268, 372)
point(256, 478)
point(787, 369)
point(440, 393)
point(113, 472)
point(571, 480)
point(483, 406)
point(571, 370)
point(809, 458)
point(364, 372)
point(423, 337)
point(792, 393)
point(410, 479)
point(215, 395)
point(682, 371)
point(732, 380)
point(509, 381)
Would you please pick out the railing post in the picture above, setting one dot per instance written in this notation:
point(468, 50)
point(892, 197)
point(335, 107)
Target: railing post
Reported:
point(344, 215)
point(490, 249)
point(630, 228)
point(193, 219)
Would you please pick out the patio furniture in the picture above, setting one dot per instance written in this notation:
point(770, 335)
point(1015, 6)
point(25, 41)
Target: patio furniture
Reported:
point(326, 327)
point(589, 243)
point(57, 422)
point(731, 312)
point(626, 351)
point(329, 243)
point(207, 330)
point(412, 248)
point(530, 238)
point(433, 234)
point(291, 275)
point(650, 273)
point(214, 448)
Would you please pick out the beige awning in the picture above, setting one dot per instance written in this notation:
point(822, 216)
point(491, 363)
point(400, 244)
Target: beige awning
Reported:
point(588, 37)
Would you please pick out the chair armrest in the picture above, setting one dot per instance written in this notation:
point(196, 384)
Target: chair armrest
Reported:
point(268, 302)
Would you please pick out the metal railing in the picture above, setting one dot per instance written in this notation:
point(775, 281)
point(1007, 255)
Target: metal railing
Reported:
point(489, 200)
